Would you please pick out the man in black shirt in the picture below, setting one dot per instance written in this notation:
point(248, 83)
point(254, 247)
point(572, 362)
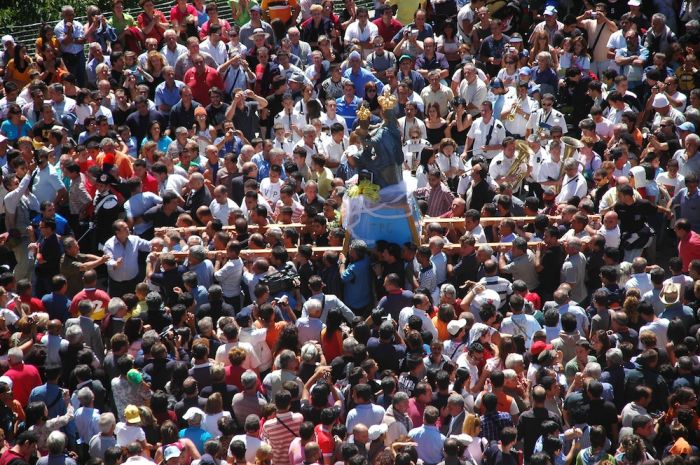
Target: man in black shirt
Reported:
point(548, 261)
point(530, 422)
point(164, 215)
point(635, 233)
point(467, 267)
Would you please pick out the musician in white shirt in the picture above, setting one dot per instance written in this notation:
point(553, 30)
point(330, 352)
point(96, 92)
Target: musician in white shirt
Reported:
point(573, 184)
point(525, 107)
point(284, 140)
point(485, 134)
point(550, 168)
point(503, 162)
point(544, 119)
point(308, 143)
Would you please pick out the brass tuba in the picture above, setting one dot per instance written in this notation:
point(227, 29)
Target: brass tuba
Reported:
point(522, 155)
point(571, 145)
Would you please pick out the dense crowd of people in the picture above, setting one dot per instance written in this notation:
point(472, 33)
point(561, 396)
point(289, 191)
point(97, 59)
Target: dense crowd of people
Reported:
point(177, 286)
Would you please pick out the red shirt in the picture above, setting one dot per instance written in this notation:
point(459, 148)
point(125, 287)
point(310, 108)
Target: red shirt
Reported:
point(387, 32)
point(144, 20)
point(35, 305)
point(24, 378)
point(98, 297)
point(150, 184)
point(200, 85)
point(179, 16)
point(689, 249)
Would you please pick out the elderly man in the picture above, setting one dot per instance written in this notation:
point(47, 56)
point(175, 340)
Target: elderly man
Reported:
point(168, 91)
point(71, 36)
point(472, 89)
point(522, 266)
point(396, 418)
point(360, 76)
point(185, 61)
point(196, 194)
point(688, 157)
point(172, 50)
point(573, 184)
point(123, 266)
point(91, 331)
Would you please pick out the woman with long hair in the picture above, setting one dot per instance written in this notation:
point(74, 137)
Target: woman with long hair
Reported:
point(288, 339)
point(302, 105)
point(426, 164)
point(580, 58)
point(540, 43)
point(332, 335)
point(46, 37)
point(509, 73)
point(371, 99)
point(214, 410)
point(601, 343)
point(19, 67)
point(169, 436)
point(13, 127)
point(632, 451)
point(458, 123)
point(156, 135)
point(472, 427)
point(435, 124)
point(51, 66)
point(155, 62)
point(133, 328)
point(448, 44)
point(37, 421)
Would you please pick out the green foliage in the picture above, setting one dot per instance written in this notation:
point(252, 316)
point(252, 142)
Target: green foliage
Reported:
point(15, 14)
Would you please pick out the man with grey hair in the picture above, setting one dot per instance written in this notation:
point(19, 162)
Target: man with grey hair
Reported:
point(573, 270)
point(87, 417)
point(124, 265)
point(249, 401)
point(24, 377)
point(396, 418)
point(573, 183)
point(287, 365)
point(457, 414)
point(310, 326)
point(56, 444)
point(71, 35)
point(198, 262)
point(105, 439)
point(92, 335)
point(196, 194)
point(593, 370)
point(251, 438)
point(97, 58)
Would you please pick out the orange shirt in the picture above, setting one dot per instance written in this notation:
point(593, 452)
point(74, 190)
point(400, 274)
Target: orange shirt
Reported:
point(332, 346)
point(121, 161)
point(441, 327)
point(279, 9)
point(273, 333)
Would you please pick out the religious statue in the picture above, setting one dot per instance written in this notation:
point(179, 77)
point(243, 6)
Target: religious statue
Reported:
point(382, 154)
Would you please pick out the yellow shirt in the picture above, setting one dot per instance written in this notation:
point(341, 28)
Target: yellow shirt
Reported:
point(406, 10)
point(324, 179)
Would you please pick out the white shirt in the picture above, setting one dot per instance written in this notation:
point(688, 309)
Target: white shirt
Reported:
point(229, 277)
point(257, 339)
point(222, 211)
point(546, 120)
point(252, 444)
point(328, 121)
point(406, 126)
point(604, 128)
point(427, 322)
point(287, 119)
point(479, 132)
point(334, 150)
point(549, 170)
point(612, 236)
point(271, 190)
point(672, 185)
point(174, 183)
point(519, 124)
point(500, 165)
point(658, 327)
point(218, 52)
point(368, 33)
point(126, 434)
point(575, 186)
point(251, 362)
point(522, 324)
point(446, 163)
point(641, 281)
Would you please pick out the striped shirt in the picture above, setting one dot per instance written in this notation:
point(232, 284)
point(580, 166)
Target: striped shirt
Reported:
point(279, 437)
point(439, 199)
point(501, 285)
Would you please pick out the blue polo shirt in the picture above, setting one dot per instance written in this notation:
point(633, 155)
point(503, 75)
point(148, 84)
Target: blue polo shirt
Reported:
point(361, 78)
point(168, 95)
point(348, 110)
